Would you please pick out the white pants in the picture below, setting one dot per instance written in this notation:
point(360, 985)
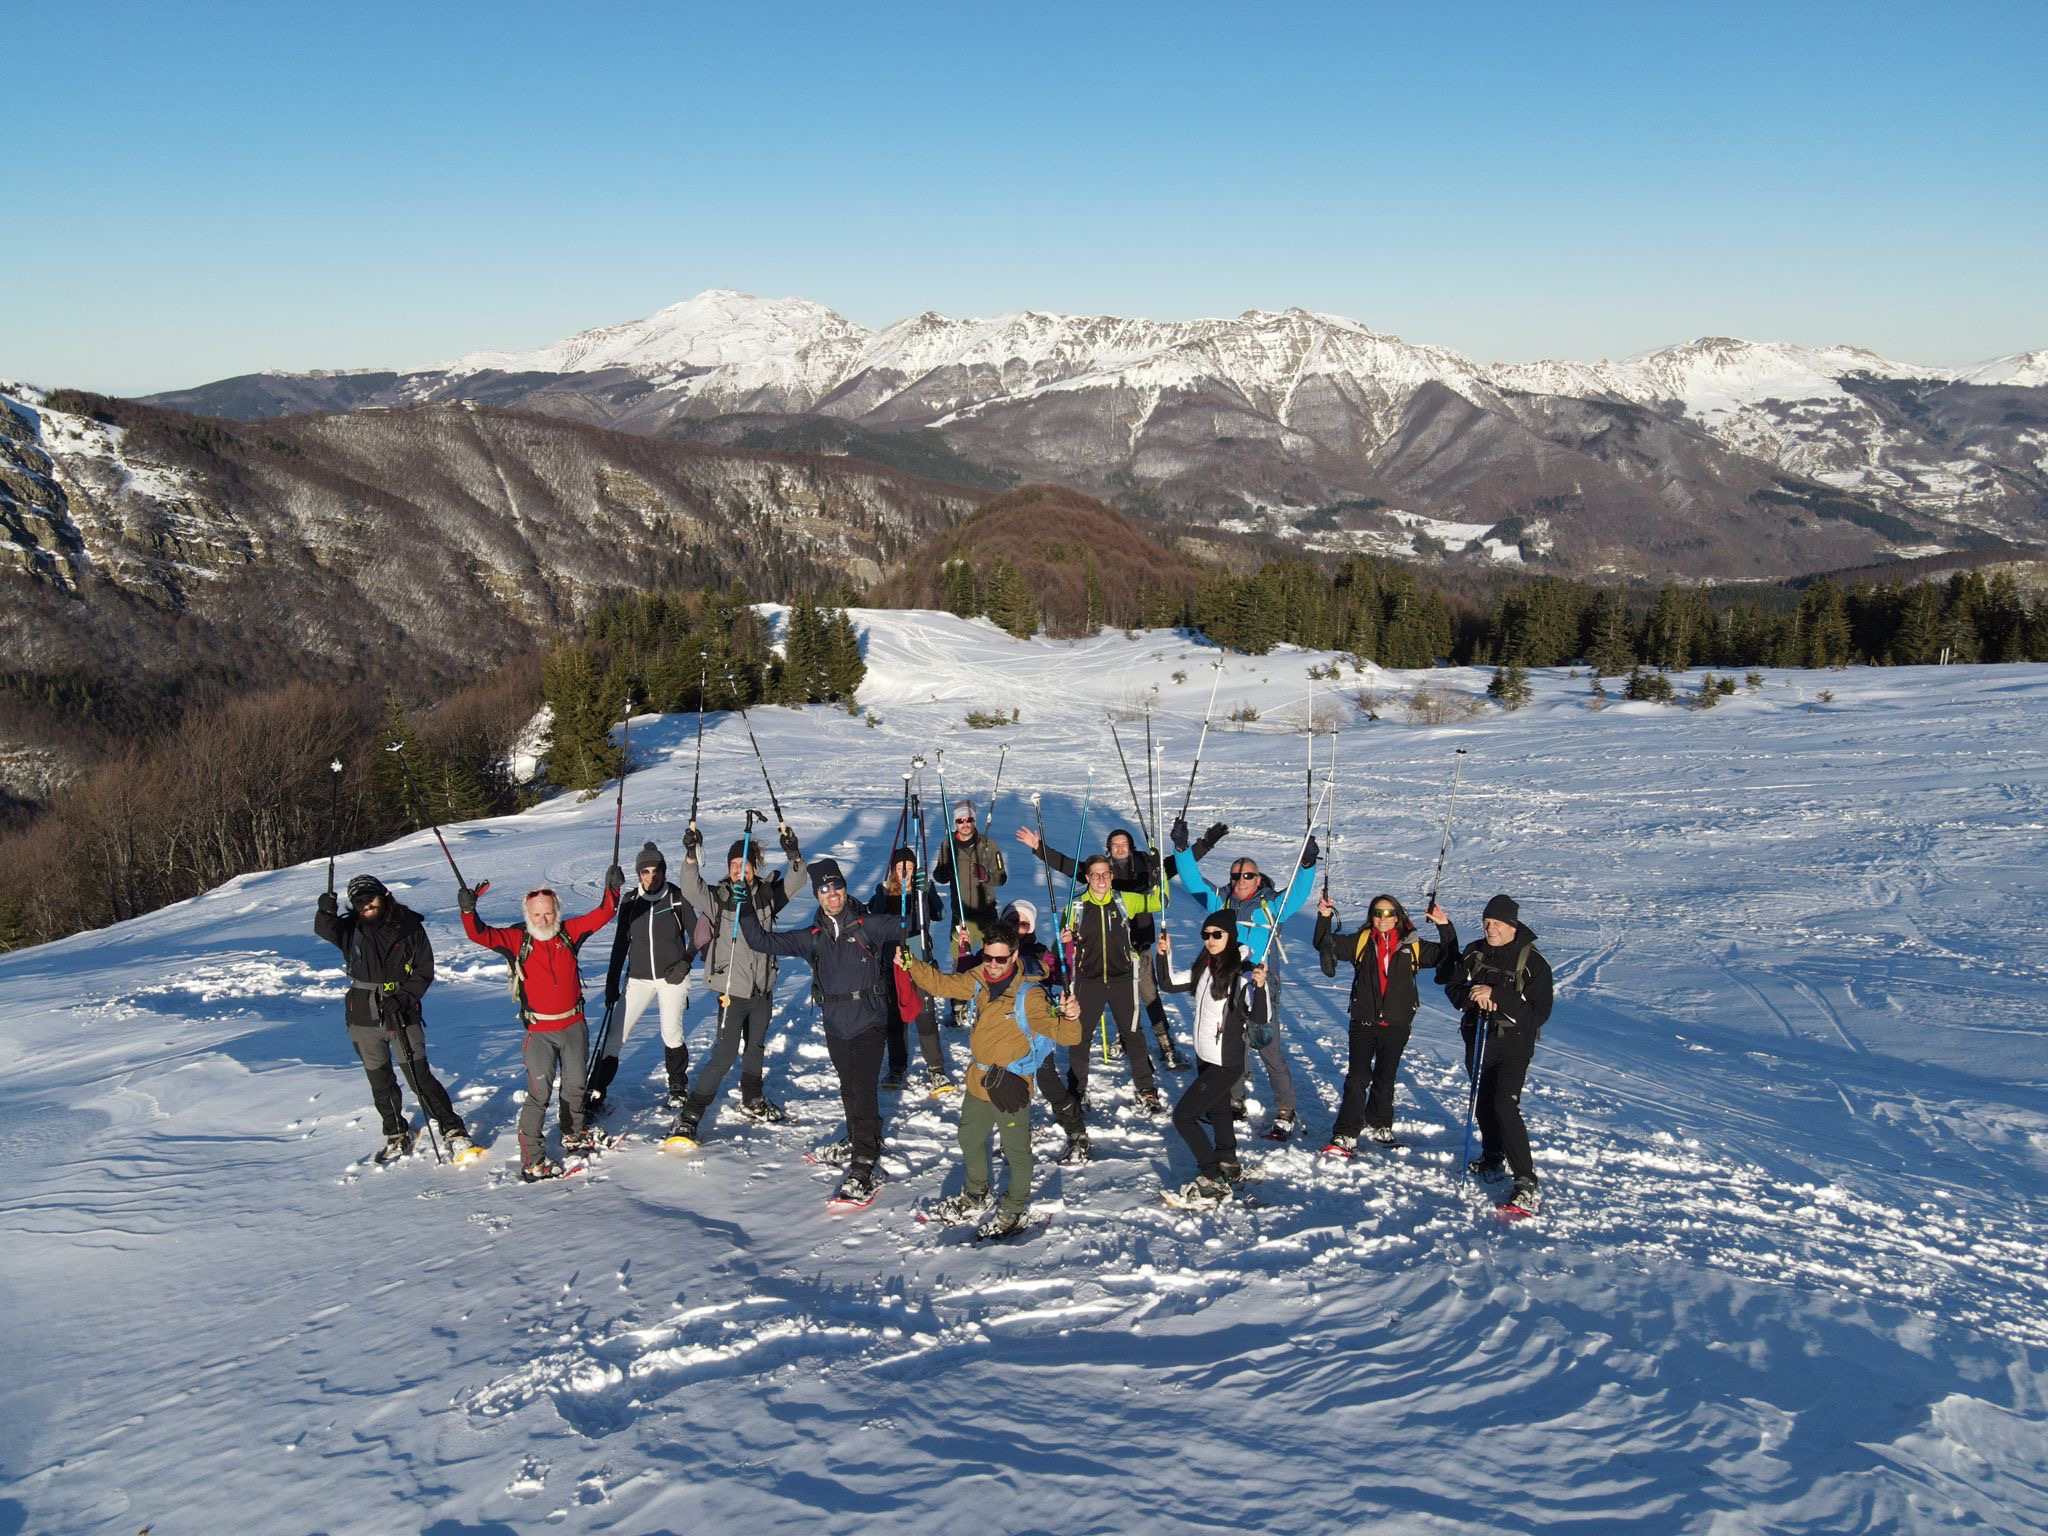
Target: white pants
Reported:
point(674, 996)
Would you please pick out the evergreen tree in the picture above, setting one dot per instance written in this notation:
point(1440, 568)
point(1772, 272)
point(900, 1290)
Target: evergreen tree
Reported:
point(1823, 626)
point(1510, 686)
point(1010, 600)
point(963, 596)
point(1917, 640)
point(844, 668)
point(579, 753)
point(1612, 651)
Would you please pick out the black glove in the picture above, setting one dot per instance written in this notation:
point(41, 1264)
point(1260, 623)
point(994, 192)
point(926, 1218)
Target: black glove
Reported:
point(1214, 833)
point(611, 994)
point(391, 1006)
point(790, 848)
point(465, 900)
point(1310, 852)
point(328, 905)
point(1179, 834)
point(693, 840)
point(614, 880)
point(1006, 1090)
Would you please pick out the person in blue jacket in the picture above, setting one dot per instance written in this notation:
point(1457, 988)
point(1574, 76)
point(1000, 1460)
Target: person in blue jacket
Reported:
point(1260, 909)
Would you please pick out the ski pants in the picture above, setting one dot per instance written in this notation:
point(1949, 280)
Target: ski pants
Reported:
point(743, 1020)
point(1118, 996)
point(858, 1061)
point(1274, 1056)
point(1208, 1100)
point(979, 1119)
point(674, 997)
point(1369, 1081)
point(1497, 1100)
point(375, 1046)
point(928, 1045)
point(550, 1053)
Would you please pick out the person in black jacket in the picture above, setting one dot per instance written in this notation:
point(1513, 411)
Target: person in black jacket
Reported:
point(653, 949)
point(849, 950)
point(904, 892)
point(1386, 958)
point(1502, 981)
point(390, 965)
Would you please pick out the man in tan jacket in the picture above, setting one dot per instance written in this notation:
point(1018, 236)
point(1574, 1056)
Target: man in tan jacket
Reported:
point(1015, 1025)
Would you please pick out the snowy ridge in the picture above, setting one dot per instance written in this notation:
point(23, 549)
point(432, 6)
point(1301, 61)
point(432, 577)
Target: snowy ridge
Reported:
point(1787, 1115)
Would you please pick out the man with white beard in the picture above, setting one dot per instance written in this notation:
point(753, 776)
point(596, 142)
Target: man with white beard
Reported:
point(549, 989)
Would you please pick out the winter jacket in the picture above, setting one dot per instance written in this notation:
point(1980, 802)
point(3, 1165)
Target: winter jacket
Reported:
point(1219, 1021)
point(981, 871)
point(1138, 876)
point(1102, 936)
point(1519, 975)
point(850, 960)
point(995, 1040)
point(731, 969)
point(897, 904)
point(551, 997)
point(389, 960)
point(655, 940)
point(1397, 1005)
point(1258, 916)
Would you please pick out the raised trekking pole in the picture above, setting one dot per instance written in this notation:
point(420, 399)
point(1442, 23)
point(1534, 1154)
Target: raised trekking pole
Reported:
point(952, 859)
point(1052, 905)
point(1152, 773)
point(922, 932)
point(603, 1038)
point(1081, 837)
point(1196, 767)
point(1308, 788)
point(1478, 1065)
point(1137, 801)
point(996, 793)
point(779, 822)
point(333, 816)
point(1436, 880)
point(397, 749)
point(1330, 822)
point(619, 815)
point(697, 774)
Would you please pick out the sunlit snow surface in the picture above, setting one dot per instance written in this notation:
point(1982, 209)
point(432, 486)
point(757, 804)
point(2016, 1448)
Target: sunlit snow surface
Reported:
point(1789, 1116)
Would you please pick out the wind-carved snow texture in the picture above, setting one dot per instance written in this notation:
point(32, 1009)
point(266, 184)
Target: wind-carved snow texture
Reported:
point(1788, 1116)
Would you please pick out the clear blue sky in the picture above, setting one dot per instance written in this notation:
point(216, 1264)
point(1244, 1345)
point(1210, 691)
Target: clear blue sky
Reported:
point(200, 190)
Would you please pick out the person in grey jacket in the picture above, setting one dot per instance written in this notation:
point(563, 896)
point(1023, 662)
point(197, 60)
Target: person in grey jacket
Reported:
point(741, 978)
point(652, 951)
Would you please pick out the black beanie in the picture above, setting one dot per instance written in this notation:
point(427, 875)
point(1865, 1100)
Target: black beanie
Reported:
point(743, 849)
point(823, 870)
point(650, 858)
point(1502, 909)
point(903, 856)
point(1222, 918)
point(364, 888)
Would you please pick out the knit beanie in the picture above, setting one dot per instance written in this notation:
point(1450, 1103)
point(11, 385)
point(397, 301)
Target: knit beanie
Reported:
point(1022, 912)
point(365, 888)
point(1502, 909)
point(1222, 918)
point(649, 858)
point(743, 849)
point(821, 871)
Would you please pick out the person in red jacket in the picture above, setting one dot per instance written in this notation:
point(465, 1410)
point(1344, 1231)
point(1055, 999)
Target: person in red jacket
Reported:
point(549, 987)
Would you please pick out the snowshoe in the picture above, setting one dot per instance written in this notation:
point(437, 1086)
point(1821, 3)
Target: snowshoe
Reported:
point(1150, 1101)
point(1282, 1126)
point(1077, 1150)
point(545, 1168)
point(1383, 1135)
point(858, 1189)
point(1487, 1167)
point(1203, 1194)
point(832, 1154)
point(956, 1208)
point(1523, 1201)
point(940, 1082)
point(1345, 1147)
point(1001, 1223)
point(397, 1146)
point(461, 1149)
point(587, 1142)
point(682, 1136)
point(763, 1110)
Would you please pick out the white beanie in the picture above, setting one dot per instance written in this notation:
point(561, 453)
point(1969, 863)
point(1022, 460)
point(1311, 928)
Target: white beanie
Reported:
point(1024, 910)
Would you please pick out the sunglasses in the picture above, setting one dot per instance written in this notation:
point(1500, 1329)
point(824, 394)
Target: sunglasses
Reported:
point(541, 891)
point(1214, 933)
point(831, 883)
point(1244, 874)
point(997, 959)
point(1382, 911)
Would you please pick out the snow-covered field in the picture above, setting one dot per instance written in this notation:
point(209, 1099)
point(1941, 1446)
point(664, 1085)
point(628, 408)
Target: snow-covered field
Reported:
point(1789, 1115)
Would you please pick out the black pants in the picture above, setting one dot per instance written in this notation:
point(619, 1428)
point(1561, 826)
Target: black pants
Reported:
point(858, 1061)
point(1369, 1083)
point(375, 1047)
point(1497, 1105)
point(1119, 996)
point(1060, 1099)
point(1208, 1100)
point(927, 1038)
point(745, 1020)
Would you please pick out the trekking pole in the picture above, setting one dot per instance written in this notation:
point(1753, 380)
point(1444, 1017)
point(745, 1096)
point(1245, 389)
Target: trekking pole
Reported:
point(1052, 905)
point(1437, 880)
point(1478, 1065)
point(1081, 837)
point(996, 793)
point(1196, 768)
point(333, 816)
point(397, 749)
point(1152, 765)
point(1308, 788)
point(952, 859)
point(697, 775)
point(1276, 941)
point(409, 1062)
point(922, 932)
point(1136, 801)
point(619, 815)
point(1330, 824)
point(757, 750)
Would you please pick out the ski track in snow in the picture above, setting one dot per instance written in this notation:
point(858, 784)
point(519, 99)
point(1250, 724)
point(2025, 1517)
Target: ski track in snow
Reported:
point(1788, 1117)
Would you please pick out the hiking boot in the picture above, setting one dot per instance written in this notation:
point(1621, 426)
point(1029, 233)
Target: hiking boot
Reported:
point(1077, 1149)
point(1384, 1135)
point(840, 1151)
point(1150, 1101)
point(397, 1146)
point(859, 1185)
point(538, 1169)
point(458, 1141)
point(956, 1208)
point(1002, 1223)
point(1171, 1058)
point(1282, 1126)
point(584, 1142)
point(1230, 1171)
point(1341, 1146)
point(687, 1119)
point(764, 1111)
point(939, 1082)
point(1487, 1167)
point(1526, 1195)
point(893, 1083)
point(1238, 1111)
point(1204, 1191)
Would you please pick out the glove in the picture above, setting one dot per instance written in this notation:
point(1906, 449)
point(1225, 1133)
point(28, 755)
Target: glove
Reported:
point(1006, 1090)
point(918, 882)
point(981, 874)
point(611, 994)
point(465, 900)
point(1179, 834)
point(1310, 852)
point(790, 849)
point(391, 1006)
point(1214, 833)
point(693, 840)
point(614, 880)
point(328, 905)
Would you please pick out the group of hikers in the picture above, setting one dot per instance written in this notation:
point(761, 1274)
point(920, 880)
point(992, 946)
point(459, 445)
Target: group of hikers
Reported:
point(1032, 1000)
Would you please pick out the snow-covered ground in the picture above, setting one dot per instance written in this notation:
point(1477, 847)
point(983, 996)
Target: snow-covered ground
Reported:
point(1789, 1116)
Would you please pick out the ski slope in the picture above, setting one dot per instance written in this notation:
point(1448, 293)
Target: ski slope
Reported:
point(1789, 1115)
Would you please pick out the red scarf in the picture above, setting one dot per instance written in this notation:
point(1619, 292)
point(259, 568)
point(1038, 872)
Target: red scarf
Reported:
point(1385, 943)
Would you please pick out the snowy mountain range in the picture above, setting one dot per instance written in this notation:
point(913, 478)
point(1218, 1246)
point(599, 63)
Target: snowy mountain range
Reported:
point(1720, 457)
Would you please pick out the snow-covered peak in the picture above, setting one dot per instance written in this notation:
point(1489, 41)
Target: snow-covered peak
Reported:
point(2028, 370)
point(1712, 376)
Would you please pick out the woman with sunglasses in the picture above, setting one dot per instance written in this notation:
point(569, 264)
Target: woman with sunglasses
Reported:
point(1016, 1025)
point(1227, 998)
point(1386, 958)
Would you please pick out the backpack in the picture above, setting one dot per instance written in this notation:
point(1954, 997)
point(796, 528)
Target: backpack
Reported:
point(696, 933)
point(518, 961)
